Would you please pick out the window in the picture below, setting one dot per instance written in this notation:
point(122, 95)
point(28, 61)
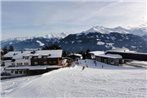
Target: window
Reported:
point(20, 72)
point(50, 62)
point(19, 64)
point(13, 64)
point(16, 72)
point(26, 63)
point(35, 62)
point(24, 72)
point(45, 62)
point(11, 71)
point(54, 62)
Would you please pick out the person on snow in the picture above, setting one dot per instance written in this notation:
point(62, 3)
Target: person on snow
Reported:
point(83, 67)
point(94, 62)
point(102, 66)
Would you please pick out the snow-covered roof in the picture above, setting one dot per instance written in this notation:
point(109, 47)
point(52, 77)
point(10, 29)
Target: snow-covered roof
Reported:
point(113, 56)
point(38, 67)
point(50, 53)
point(76, 54)
point(121, 50)
point(20, 54)
point(97, 52)
point(12, 53)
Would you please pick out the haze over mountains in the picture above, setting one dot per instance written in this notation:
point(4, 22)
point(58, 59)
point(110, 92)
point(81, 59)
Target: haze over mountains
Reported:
point(95, 38)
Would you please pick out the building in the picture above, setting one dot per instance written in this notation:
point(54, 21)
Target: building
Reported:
point(47, 57)
point(32, 62)
point(75, 56)
point(128, 55)
point(93, 53)
point(109, 59)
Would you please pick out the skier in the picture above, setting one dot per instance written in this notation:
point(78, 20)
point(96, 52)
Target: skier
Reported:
point(83, 67)
point(94, 62)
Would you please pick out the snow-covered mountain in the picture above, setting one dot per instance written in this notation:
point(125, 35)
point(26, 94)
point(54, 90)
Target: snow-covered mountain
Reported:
point(57, 35)
point(95, 38)
point(142, 30)
point(105, 30)
point(34, 41)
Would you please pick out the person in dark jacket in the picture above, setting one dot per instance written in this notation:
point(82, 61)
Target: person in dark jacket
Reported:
point(83, 67)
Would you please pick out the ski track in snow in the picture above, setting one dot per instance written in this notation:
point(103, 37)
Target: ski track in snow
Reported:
point(94, 81)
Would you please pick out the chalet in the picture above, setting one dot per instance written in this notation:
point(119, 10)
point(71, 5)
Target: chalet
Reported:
point(32, 62)
point(47, 57)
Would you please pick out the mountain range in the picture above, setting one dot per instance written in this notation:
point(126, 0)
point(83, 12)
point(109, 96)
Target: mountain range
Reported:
point(95, 38)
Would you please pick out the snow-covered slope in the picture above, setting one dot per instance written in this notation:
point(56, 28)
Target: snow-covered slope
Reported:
point(94, 81)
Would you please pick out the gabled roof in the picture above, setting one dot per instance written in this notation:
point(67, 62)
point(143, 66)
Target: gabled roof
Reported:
point(75, 54)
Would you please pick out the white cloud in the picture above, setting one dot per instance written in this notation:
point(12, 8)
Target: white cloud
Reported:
point(64, 16)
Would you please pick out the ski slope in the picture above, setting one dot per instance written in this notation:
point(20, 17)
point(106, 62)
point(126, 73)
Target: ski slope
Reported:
point(93, 81)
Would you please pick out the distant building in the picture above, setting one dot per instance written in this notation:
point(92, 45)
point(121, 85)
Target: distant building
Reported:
point(75, 56)
point(109, 59)
point(128, 55)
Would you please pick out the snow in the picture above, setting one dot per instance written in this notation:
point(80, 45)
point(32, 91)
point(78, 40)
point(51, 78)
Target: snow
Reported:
point(121, 50)
point(57, 35)
point(11, 53)
point(100, 43)
point(52, 53)
point(114, 56)
point(76, 54)
point(40, 43)
point(94, 81)
point(97, 52)
point(105, 30)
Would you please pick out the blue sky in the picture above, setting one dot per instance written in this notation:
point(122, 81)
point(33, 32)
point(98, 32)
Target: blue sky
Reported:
point(38, 18)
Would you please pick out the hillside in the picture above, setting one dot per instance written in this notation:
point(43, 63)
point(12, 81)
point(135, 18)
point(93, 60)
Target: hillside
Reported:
point(94, 81)
point(98, 41)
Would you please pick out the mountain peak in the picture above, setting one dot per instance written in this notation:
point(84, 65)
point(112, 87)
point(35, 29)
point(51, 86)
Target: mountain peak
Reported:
point(105, 30)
